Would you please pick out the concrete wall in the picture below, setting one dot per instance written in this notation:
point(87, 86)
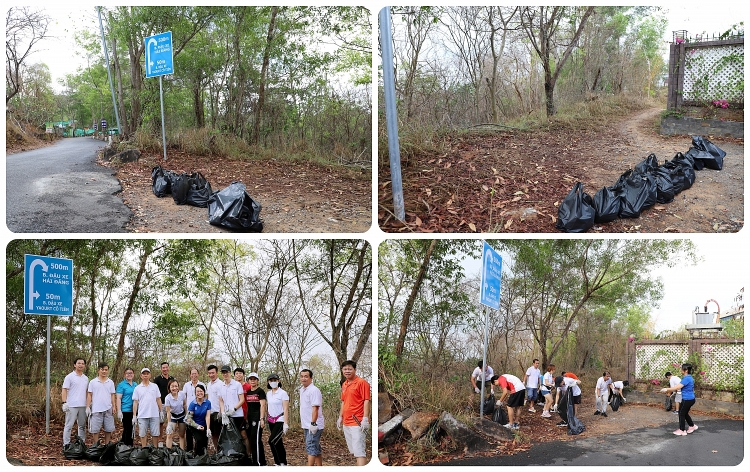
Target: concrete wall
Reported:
point(686, 125)
point(701, 404)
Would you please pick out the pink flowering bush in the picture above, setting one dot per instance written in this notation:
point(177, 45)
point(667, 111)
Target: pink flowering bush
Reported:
point(679, 40)
point(655, 382)
point(720, 103)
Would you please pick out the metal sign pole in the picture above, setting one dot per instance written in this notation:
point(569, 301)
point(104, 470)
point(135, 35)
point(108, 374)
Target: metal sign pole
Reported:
point(163, 129)
point(484, 360)
point(49, 343)
point(391, 117)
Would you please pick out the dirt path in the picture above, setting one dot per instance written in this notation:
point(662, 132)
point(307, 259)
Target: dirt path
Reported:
point(296, 197)
point(513, 182)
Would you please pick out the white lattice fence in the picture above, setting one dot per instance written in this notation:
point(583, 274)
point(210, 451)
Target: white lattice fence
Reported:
point(722, 363)
point(653, 360)
point(714, 73)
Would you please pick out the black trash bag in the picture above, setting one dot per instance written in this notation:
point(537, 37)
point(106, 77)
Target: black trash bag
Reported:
point(176, 456)
point(501, 415)
point(668, 403)
point(221, 459)
point(108, 455)
point(158, 456)
point(562, 408)
point(180, 188)
point(161, 181)
point(637, 192)
point(488, 405)
point(647, 165)
point(122, 454)
point(94, 452)
point(685, 166)
point(683, 160)
point(192, 460)
point(140, 455)
point(606, 205)
point(575, 426)
point(75, 449)
point(199, 191)
point(233, 208)
point(664, 187)
point(615, 402)
point(230, 442)
point(707, 153)
point(576, 213)
point(677, 175)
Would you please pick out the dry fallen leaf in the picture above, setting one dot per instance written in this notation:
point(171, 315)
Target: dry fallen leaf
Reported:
point(428, 192)
point(510, 222)
point(485, 188)
point(473, 228)
point(418, 222)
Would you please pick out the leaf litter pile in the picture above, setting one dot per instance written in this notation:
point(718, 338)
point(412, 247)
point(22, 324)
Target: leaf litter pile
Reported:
point(514, 181)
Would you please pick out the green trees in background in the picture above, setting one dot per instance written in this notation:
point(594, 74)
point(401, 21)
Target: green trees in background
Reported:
point(286, 78)
point(194, 302)
point(571, 302)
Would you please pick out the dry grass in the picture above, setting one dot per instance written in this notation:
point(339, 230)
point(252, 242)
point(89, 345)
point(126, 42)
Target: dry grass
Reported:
point(26, 405)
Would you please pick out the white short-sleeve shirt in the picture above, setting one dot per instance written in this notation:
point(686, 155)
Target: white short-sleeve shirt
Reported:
point(147, 395)
point(477, 374)
point(568, 382)
point(533, 375)
point(214, 392)
point(674, 381)
point(101, 394)
point(275, 401)
point(309, 397)
point(231, 394)
point(77, 386)
point(602, 386)
point(176, 405)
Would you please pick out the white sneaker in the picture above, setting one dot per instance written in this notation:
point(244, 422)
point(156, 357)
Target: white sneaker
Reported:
point(546, 415)
point(532, 410)
point(508, 426)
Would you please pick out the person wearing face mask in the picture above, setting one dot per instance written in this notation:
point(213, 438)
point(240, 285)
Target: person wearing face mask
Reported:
point(255, 399)
point(124, 393)
point(278, 414)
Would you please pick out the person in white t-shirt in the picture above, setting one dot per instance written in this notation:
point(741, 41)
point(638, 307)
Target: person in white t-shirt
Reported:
point(176, 407)
point(231, 399)
point(602, 394)
point(531, 380)
point(73, 397)
point(213, 392)
point(548, 386)
point(100, 403)
point(311, 417)
point(147, 408)
point(617, 387)
point(563, 384)
point(480, 375)
point(674, 381)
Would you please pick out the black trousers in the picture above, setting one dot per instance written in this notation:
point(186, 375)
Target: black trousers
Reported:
point(255, 437)
point(276, 442)
point(684, 414)
point(200, 439)
point(127, 428)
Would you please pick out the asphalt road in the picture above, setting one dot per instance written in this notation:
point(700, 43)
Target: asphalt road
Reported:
point(717, 442)
point(60, 189)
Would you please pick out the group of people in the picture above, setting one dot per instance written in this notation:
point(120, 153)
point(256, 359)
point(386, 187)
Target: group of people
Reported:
point(518, 393)
point(196, 413)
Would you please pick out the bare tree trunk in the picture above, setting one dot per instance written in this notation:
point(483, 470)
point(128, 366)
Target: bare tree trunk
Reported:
point(412, 298)
point(263, 74)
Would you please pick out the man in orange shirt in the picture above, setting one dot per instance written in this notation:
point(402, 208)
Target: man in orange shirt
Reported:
point(355, 411)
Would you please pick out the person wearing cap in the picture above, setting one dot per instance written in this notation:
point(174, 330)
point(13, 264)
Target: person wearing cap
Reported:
point(355, 411)
point(231, 398)
point(569, 375)
point(213, 391)
point(513, 392)
point(255, 400)
point(124, 393)
point(563, 384)
point(189, 390)
point(278, 412)
point(147, 408)
point(100, 403)
point(239, 376)
point(311, 417)
point(73, 396)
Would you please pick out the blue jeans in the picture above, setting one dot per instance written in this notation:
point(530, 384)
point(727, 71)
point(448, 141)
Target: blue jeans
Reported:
point(312, 442)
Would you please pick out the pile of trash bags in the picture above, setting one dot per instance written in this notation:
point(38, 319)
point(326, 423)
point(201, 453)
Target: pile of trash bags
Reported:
point(119, 453)
point(638, 189)
point(230, 208)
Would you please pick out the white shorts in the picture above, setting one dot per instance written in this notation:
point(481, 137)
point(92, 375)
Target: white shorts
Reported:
point(355, 440)
point(144, 424)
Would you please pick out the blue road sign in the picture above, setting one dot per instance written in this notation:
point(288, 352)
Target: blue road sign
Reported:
point(159, 59)
point(492, 269)
point(47, 286)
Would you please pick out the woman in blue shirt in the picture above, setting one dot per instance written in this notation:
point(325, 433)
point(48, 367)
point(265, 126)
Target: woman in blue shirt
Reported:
point(124, 393)
point(687, 386)
point(199, 419)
